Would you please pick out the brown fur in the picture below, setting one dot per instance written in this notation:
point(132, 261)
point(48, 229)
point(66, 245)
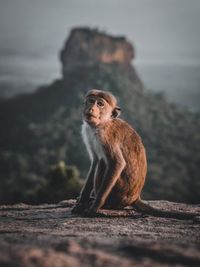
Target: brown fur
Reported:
point(130, 182)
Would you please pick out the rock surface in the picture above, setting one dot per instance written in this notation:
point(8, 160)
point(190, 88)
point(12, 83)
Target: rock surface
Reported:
point(48, 235)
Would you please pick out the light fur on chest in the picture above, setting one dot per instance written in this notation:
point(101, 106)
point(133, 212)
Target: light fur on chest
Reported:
point(92, 142)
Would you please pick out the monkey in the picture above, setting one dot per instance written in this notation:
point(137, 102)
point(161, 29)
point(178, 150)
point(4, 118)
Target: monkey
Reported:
point(118, 166)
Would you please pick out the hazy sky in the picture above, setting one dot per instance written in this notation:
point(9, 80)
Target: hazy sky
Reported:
point(32, 32)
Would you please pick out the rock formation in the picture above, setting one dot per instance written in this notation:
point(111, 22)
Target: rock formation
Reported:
point(86, 47)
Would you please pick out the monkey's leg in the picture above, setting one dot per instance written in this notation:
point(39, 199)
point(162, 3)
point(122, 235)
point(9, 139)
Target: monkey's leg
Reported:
point(84, 199)
point(116, 164)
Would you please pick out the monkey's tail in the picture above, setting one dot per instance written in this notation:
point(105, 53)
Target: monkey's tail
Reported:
point(145, 208)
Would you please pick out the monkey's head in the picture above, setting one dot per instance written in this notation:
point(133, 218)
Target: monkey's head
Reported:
point(99, 107)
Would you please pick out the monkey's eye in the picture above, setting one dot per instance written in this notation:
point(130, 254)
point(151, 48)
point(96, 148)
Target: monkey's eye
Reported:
point(100, 104)
point(90, 101)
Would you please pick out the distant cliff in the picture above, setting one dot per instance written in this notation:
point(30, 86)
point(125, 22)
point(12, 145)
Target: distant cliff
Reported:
point(43, 128)
point(85, 47)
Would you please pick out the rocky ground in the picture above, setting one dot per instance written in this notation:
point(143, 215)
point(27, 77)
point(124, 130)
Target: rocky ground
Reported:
point(49, 236)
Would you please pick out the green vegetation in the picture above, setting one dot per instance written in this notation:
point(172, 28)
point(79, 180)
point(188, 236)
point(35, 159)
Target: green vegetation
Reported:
point(60, 182)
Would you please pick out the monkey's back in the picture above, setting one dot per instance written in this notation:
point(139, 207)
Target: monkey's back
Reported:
point(128, 187)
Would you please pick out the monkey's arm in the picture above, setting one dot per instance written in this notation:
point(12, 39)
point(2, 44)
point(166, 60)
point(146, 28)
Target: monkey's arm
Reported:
point(85, 192)
point(116, 164)
point(99, 174)
point(83, 201)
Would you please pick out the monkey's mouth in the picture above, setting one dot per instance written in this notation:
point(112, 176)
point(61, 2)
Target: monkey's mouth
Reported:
point(90, 117)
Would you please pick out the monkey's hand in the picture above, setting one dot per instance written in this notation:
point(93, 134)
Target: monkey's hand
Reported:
point(79, 208)
point(91, 211)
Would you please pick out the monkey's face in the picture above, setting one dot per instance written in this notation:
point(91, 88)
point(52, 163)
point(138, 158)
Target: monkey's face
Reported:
point(96, 110)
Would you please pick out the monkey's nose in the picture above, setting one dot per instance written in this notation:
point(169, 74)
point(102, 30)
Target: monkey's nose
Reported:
point(91, 110)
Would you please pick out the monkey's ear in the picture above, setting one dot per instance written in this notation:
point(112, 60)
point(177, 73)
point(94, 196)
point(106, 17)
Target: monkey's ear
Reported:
point(116, 112)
